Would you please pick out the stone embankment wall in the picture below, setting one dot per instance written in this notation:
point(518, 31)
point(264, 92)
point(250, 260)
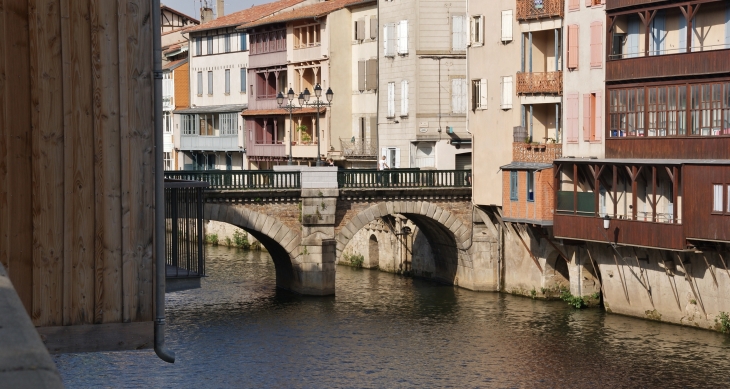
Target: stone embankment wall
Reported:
point(226, 234)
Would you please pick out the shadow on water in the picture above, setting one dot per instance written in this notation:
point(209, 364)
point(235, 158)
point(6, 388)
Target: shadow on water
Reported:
point(382, 330)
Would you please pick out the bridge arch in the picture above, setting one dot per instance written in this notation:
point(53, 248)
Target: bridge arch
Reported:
point(449, 235)
point(281, 241)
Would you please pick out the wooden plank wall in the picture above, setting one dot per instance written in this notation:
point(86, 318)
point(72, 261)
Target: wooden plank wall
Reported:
point(76, 158)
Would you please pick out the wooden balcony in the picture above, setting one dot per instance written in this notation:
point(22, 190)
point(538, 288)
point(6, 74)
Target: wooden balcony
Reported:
point(266, 150)
point(671, 65)
point(540, 83)
point(531, 10)
point(617, 4)
point(687, 147)
point(621, 231)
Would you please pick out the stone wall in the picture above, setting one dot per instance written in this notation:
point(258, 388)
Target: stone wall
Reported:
point(537, 153)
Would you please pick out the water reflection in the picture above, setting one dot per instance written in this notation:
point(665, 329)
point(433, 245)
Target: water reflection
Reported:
point(383, 330)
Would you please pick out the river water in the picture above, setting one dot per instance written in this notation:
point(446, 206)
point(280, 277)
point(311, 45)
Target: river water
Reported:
point(387, 331)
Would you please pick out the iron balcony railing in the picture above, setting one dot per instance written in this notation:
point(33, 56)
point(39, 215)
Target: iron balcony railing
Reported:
point(240, 179)
point(184, 236)
point(404, 178)
point(358, 147)
point(537, 9)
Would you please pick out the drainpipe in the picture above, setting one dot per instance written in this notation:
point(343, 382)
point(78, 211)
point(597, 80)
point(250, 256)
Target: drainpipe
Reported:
point(162, 352)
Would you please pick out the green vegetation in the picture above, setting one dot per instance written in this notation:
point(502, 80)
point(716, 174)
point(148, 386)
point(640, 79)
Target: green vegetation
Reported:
point(533, 293)
point(240, 239)
point(212, 239)
point(578, 302)
point(229, 242)
point(354, 259)
point(723, 321)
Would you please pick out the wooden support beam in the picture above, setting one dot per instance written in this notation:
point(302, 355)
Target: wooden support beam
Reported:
point(634, 188)
point(653, 194)
point(675, 195)
point(712, 271)
point(534, 258)
point(575, 189)
point(690, 280)
point(550, 242)
point(615, 191)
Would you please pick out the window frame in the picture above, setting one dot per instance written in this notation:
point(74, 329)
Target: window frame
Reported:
point(243, 80)
point(514, 185)
point(530, 184)
point(209, 45)
point(227, 81)
point(210, 83)
point(723, 195)
point(200, 83)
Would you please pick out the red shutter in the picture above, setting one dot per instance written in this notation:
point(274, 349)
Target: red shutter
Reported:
point(587, 119)
point(599, 116)
point(596, 44)
point(571, 116)
point(573, 46)
point(588, 3)
point(573, 5)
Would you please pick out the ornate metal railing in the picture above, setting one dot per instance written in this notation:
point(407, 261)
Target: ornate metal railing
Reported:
point(240, 179)
point(404, 178)
point(536, 9)
point(358, 147)
point(184, 249)
point(540, 83)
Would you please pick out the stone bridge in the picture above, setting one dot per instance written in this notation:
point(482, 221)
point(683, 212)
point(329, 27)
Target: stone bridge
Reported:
point(306, 229)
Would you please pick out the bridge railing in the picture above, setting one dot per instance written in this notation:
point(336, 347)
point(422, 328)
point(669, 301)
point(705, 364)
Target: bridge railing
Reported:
point(184, 237)
point(404, 178)
point(240, 179)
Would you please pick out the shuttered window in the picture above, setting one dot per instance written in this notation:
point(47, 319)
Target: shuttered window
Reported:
point(507, 92)
point(727, 27)
point(458, 32)
point(373, 127)
point(573, 5)
point(200, 83)
point(479, 94)
point(658, 39)
point(571, 117)
point(513, 194)
point(391, 99)
point(404, 98)
point(209, 44)
point(507, 18)
point(243, 41)
point(458, 95)
point(717, 198)
point(360, 30)
point(596, 44)
point(227, 43)
point(403, 37)
point(373, 27)
point(228, 81)
point(573, 46)
point(371, 78)
point(210, 83)
point(598, 115)
point(390, 39)
point(587, 117)
point(477, 30)
point(243, 80)
point(633, 38)
point(361, 75)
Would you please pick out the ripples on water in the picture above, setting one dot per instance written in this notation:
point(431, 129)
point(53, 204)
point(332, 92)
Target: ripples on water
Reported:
point(385, 331)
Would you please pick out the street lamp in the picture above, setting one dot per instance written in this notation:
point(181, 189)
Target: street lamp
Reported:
point(606, 222)
point(289, 107)
point(319, 103)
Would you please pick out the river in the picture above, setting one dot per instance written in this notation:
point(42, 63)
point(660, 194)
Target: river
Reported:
point(387, 331)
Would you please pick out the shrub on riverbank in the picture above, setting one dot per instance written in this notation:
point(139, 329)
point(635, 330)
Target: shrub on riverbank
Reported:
point(723, 321)
point(212, 239)
point(354, 259)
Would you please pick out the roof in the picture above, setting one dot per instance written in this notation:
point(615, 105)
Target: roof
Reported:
point(526, 166)
point(213, 109)
point(281, 111)
point(166, 8)
point(246, 16)
point(311, 11)
point(645, 161)
point(175, 64)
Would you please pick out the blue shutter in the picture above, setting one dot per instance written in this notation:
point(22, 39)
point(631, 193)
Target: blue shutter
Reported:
point(513, 186)
point(243, 80)
point(633, 49)
point(683, 34)
point(244, 41)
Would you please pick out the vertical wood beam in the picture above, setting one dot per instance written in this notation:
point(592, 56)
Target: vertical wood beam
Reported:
point(3, 144)
point(675, 193)
point(46, 84)
point(634, 188)
point(575, 189)
point(596, 191)
point(653, 194)
point(530, 48)
point(615, 191)
point(690, 17)
point(17, 129)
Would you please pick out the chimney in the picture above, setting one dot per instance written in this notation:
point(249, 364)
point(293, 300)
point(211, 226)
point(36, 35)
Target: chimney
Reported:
point(219, 9)
point(206, 15)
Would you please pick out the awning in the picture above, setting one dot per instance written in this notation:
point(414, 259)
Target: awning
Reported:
point(230, 108)
point(281, 111)
point(526, 166)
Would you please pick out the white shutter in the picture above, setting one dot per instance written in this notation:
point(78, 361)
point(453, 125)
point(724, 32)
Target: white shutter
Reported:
point(385, 40)
point(458, 32)
point(404, 98)
point(458, 95)
point(483, 93)
point(391, 99)
point(507, 25)
point(481, 29)
point(403, 37)
point(506, 92)
point(472, 32)
point(385, 152)
point(397, 159)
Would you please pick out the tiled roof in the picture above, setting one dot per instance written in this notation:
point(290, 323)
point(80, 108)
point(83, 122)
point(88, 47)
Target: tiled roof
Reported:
point(192, 19)
point(307, 12)
point(246, 16)
point(174, 64)
point(280, 111)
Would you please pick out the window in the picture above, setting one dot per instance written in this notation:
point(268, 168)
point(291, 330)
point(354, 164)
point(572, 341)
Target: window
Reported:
point(571, 117)
point(658, 38)
point(728, 199)
point(243, 41)
point(228, 81)
point(227, 43)
point(305, 36)
point(371, 77)
point(479, 94)
point(373, 27)
point(632, 42)
point(209, 44)
point(189, 125)
point(229, 124)
point(167, 156)
point(167, 122)
point(717, 198)
point(425, 155)
point(403, 37)
point(477, 30)
point(513, 186)
point(507, 92)
point(361, 75)
point(596, 44)
point(391, 99)
point(573, 5)
point(389, 40)
point(626, 115)
point(530, 185)
point(573, 46)
point(458, 95)
point(198, 46)
point(200, 83)
point(404, 98)
point(507, 17)
point(360, 30)
point(458, 32)
point(229, 162)
point(243, 80)
point(592, 117)
point(210, 83)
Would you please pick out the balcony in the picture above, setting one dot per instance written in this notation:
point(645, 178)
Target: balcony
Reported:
point(536, 153)
point(264, 60)
point(616, 4)
point(621, 231)
point(539, 9)
point(209, 143)
point(307, 54)
point(701, 63)
point(358, 148)
point(540, 83)
point(266, 150)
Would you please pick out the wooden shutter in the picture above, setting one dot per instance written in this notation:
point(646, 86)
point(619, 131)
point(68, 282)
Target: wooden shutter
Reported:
point(391, 99)
point(397, 159)
point(573, 5)
point(458, 95)
point(404, 98)
point(571, 117)
point(386, 37)
point(587, 119)
point(373, 128)
point(596, 44)
point(458, 32)
point(403, 37)
point(588, 3)
point(483, 93)
point(361, 75)
point(371, 77)
point(573, 46)
point(598, 126)
point(507, 91)
point(507, 17)
point(373, 27)
point(360, 29)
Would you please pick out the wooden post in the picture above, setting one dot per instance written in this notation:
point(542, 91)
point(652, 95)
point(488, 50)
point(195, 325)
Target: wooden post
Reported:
point(575, 189)
point(596, 192)
point(615, 191)
point(653, 194)
point(634, 188)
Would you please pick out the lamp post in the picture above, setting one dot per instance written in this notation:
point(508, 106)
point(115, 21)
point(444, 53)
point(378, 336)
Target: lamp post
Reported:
point(318, 103)
point(290, 107)
point(606, 222)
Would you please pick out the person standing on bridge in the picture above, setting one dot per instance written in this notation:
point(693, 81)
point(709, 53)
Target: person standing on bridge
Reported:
point(382, 165)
